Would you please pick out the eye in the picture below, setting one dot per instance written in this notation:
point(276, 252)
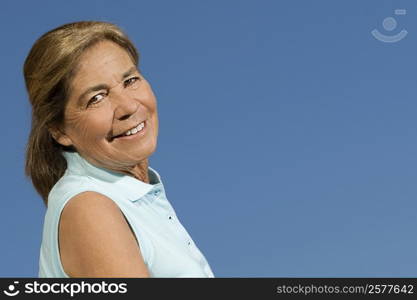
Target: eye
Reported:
point(132, 82)
point(96, 99)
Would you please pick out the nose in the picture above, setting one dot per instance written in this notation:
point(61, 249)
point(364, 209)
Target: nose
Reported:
point(125, 105)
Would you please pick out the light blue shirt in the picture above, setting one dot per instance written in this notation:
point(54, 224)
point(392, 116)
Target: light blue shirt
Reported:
point(167, 248)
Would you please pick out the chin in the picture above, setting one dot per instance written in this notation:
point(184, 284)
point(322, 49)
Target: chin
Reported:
point(144, 154)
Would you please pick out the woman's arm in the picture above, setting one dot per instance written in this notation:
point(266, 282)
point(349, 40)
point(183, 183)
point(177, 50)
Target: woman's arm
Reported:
point(95, 239)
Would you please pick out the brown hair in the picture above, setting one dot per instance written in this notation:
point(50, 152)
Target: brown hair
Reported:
point(48, 71)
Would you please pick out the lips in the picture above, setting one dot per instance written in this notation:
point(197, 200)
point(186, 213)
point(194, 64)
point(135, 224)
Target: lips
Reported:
point(130, 131)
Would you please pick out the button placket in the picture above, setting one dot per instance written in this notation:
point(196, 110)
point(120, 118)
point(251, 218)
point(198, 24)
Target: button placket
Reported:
point(179, 229)
point(195, 253)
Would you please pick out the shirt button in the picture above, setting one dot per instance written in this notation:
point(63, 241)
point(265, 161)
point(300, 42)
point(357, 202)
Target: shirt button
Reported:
point(189, 243)
point(157, 192)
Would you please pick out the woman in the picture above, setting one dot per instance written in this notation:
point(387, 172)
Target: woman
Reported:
point(94, 125)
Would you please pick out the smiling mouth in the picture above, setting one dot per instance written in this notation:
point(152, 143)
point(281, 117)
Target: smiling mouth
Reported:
point(132, 131)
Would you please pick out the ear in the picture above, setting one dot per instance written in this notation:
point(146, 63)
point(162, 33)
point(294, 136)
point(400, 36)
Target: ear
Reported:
point(60, 137)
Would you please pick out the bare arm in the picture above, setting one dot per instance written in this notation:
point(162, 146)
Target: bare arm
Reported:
point(95, 239)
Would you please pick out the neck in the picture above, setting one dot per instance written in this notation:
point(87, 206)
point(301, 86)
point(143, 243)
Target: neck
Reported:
point(140, 171)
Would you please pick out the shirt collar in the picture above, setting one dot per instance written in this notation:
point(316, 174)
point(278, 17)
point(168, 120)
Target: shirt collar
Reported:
point(131, 187)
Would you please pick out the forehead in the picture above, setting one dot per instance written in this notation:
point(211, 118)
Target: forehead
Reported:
point(102, 62)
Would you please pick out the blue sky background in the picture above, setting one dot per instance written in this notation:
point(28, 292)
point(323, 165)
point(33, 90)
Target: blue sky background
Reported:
point(287, 131)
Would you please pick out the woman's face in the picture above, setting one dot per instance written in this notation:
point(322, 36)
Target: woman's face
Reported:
point(111, 115)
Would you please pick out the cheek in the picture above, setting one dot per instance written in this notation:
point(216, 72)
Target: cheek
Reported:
point(146, 96)
point(92, 126)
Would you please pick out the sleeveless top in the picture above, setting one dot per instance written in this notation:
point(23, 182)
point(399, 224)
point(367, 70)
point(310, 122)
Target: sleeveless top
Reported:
point(167, 248)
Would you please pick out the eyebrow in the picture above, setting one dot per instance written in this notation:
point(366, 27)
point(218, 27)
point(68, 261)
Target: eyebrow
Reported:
point(102, 86)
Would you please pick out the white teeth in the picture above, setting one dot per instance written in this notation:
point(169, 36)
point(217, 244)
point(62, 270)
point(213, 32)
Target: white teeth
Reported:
point(136, 129)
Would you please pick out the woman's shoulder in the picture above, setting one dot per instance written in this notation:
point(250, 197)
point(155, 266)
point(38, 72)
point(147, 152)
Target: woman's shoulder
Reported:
point(107, 248)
